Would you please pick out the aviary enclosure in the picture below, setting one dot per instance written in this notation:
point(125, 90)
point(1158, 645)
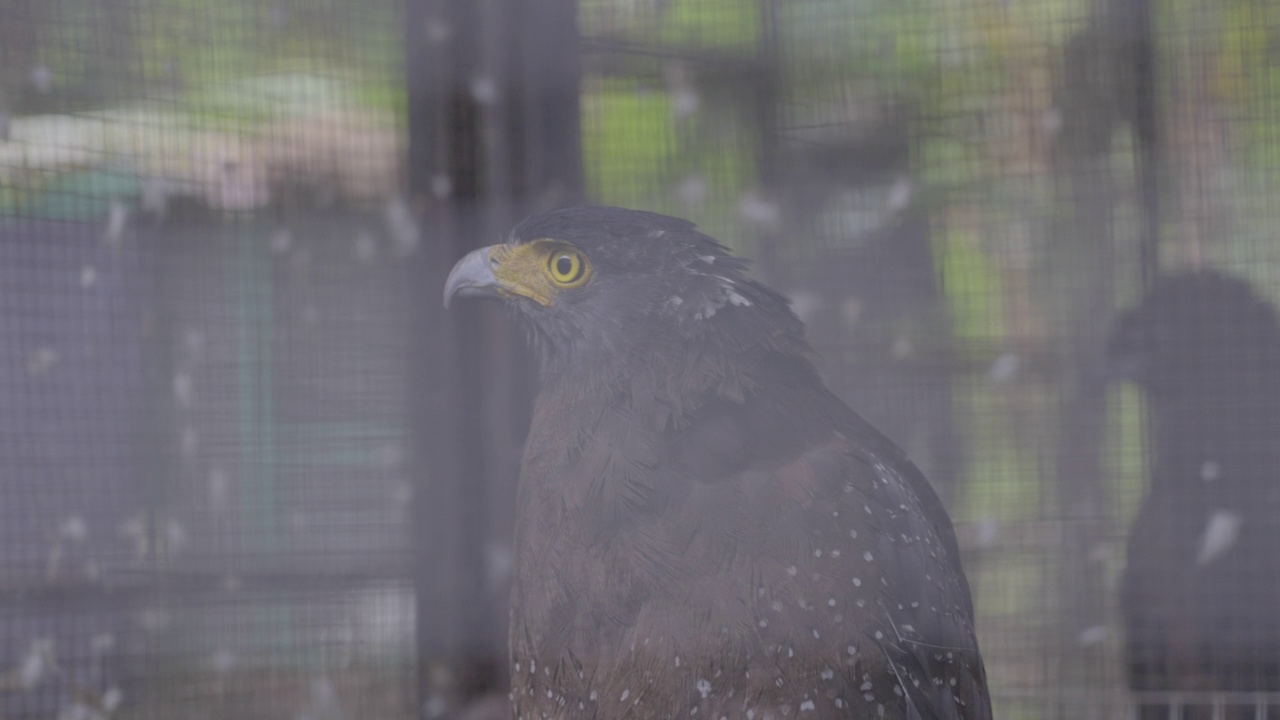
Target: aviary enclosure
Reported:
point(250, 468)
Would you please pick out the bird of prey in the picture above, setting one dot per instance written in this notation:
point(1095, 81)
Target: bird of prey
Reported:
point(1201, 589)
point(703, 529)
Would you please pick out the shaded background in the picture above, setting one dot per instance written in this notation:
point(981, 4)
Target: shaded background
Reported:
point(249, 468)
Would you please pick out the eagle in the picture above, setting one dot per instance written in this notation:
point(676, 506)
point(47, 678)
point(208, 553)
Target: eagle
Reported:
point(1201, 587)
point(703, 529)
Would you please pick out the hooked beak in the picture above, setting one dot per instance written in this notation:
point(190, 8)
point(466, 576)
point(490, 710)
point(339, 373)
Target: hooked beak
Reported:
point(472, 277)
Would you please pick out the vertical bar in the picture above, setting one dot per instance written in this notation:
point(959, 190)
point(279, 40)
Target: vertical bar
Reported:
point(547, 138)
point(1147, 134)
point(493, 132)
point(538, 121)
point(446, 162)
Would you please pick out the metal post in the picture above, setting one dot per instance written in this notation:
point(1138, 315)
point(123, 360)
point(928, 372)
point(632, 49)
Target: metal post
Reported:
point(493, 133)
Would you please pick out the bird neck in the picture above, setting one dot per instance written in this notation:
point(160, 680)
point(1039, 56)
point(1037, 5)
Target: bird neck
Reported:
point(653, 379)
point(661, 378)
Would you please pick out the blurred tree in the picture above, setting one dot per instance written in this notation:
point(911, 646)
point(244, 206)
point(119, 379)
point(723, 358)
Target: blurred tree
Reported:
point(1106, 77)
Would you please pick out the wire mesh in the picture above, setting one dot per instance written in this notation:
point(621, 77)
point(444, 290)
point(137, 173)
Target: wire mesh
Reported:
point(216, 490)
point(957, 197)
point(205, 457)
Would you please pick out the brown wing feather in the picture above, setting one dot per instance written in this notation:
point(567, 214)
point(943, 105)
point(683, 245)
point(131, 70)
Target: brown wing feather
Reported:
point(768, 558)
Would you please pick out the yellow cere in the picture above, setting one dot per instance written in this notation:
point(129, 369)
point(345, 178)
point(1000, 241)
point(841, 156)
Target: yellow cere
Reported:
point(539, 270)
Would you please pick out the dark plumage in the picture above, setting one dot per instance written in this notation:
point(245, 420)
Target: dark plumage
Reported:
point(1201, 591)
point(703, 528)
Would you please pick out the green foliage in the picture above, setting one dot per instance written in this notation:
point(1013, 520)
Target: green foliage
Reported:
point(711, 23)
point(264, 97)
point(627, 140)
point(971, 284)
point(1247, 73)
point(194, 51)
point(1124, 460)
point(702, 25)
point(638, 153)
point(1001, 494)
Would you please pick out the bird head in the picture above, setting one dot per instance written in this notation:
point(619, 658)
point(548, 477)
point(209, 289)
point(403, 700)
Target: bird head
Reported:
point(1196, 335)
point(596, 283)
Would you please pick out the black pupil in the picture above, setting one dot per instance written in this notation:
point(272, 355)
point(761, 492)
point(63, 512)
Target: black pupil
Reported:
point(564, 265)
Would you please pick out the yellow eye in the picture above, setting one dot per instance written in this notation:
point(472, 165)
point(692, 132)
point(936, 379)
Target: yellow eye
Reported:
point(567, 268)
